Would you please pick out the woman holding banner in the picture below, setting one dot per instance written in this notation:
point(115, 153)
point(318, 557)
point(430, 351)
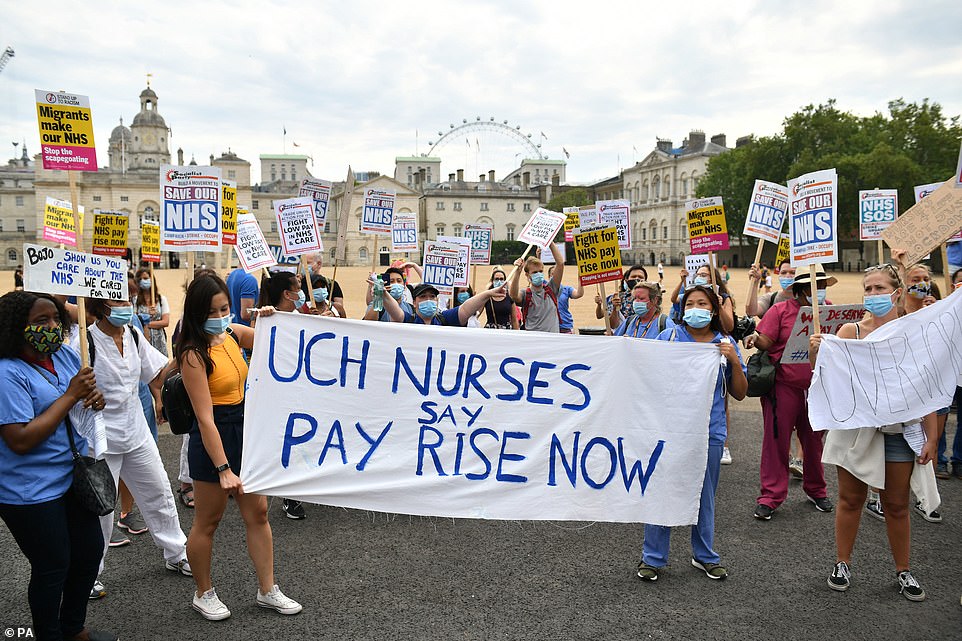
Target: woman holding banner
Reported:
point(701, 323)
point(875, 456)
point(215, 374)
point(42, 381)
point(785, 408)
point(501, 312)
point(646, 320)
point(154, 311)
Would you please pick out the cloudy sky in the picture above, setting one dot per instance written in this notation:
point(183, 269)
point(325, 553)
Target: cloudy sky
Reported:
point(363, 82)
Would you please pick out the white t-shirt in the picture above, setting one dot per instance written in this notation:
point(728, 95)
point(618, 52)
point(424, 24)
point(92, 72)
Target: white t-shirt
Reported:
point(118, 378)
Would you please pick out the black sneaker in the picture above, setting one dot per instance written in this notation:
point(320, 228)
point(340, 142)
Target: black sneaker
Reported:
point(294, 510)
point(823, 504)
point(874, 507)
point(932, 517)
point(909, 587)
point(714, 571)
point(648, 572)
point(839, 581)
point(763, 512)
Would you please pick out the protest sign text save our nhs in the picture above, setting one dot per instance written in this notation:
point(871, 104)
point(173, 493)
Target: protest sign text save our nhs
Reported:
point(766, 212)
point(542, 227)
point(905, 369)
point(72, 273)
point(404, 232)
point(813, 218)
point(378, 211)
point(441, 265)
point(190, 208)
point(228, 212)
point(320, 191)
point(435, 421)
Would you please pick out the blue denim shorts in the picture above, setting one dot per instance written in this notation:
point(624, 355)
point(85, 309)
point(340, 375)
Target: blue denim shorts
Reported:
point(943, 411)
point(897, 449)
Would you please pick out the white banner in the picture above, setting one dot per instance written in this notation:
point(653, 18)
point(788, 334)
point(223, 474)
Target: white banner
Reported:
point(542, 227)
point(900, 372)
point(252, 250)
point(407, 419)
point(71, 273)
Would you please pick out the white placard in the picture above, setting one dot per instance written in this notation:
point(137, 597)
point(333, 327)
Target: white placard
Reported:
point(461, 274)
point(72, 273)
point(320, 191)
point(480, 237)
point(252, 249)
point(378, 211)
point(297, 225)
point(616, 213)
point(441, 265)
point(766, 211)
point(877, 209)
point(542, 227)
point(404, 231)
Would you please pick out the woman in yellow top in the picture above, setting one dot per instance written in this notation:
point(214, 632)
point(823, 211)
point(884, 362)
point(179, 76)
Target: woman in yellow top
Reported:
point(215, 373)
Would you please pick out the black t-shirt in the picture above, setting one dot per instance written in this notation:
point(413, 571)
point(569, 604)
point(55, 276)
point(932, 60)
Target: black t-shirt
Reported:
point(499, 312)
point(324, 281)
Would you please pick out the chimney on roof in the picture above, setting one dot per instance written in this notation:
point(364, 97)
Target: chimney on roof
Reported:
point(663, 144)
point(741, 141)
point(526, 179)
point(696, 139)
point(450, 178)
point(212, 159)
point(490, 175)
point(481, 178)
point(460, 175)
point(719, 139)
point(556, 180)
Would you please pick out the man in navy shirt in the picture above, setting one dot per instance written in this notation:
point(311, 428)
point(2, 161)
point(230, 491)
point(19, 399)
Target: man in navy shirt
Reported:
point(426, 307)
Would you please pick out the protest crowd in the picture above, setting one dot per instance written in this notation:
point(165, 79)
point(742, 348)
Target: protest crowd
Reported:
point(150, 366)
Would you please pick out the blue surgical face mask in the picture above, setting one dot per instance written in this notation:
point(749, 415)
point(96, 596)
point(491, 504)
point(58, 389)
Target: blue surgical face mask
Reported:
point(537, 279)
point(697, 317)
point(428, 308)
point(397, 290)
point(301, 298)
point(879, 304)
point(786, 283)
point(215, 326)
point(463, 297)
point(120, 316)
point(821, 297)
point(145, 283)
point(498, 283)
point(320, 294)
point(639, 307)
point(701, 280)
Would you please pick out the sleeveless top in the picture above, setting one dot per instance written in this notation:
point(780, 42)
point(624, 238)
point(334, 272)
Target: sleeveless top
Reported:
point(227, 380)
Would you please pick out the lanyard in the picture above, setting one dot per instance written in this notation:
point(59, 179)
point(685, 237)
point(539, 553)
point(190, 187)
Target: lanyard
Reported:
point(643, 333)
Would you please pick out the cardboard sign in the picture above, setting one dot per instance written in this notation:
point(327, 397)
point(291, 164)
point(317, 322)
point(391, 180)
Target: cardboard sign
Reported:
point(572, 222)
point(784, 249)
point(404, 232)
point(440, 269)
point(378, 211)
point(251, 247)
point(707, 228)
point(813, 218)
point(297, 225)
point(766, 212)
point(228, 212)
point(110, 233)
point(927, 224)
point(66, 131)
point(461, 274)
point(921, 191)
point(587, 218)
point(480, 237)
point(547, 257)
point(830, 319)
point(58, 224)
point(71, 273)
point(150, 241)
point(877, 209)
point(616, 213)
point(320, 191)
point(694, 262)
point(190, 208)
point(599, 256)
point(542, 227)
point(958, 170)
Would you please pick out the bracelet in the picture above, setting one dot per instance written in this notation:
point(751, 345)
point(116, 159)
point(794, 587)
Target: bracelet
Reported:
point(222, 468)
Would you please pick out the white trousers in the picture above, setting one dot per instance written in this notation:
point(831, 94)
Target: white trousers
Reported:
point(184, 474)
point(143, 472)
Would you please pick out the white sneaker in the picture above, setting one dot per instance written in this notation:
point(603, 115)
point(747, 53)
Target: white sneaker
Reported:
point(181, 566)
point(795, 468)
point(276, 600)
point(726, 458)
point(210, 607)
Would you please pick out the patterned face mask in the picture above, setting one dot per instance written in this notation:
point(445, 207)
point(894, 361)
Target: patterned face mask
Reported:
point(45, 340)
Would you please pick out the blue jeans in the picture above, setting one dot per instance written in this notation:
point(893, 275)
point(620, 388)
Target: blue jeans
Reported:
point(147, 400)
point(657, 537)
point(957, 441)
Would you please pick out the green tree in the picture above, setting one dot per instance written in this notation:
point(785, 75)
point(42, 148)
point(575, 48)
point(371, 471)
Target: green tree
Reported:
point(576, 197)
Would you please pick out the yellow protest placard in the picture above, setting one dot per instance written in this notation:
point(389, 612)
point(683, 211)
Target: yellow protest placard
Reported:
point(66, 131)
point(572, 222)
point(707, 228)
point(784, 246)
point(110, 233)
point(58, 224)
point(598, 254)
point(228, 212)
point(150, 241)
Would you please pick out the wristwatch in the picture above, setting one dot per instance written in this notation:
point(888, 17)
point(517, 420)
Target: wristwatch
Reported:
point(221, 468)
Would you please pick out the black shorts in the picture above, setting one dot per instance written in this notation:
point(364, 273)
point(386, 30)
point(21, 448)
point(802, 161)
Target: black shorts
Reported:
point(229, 420)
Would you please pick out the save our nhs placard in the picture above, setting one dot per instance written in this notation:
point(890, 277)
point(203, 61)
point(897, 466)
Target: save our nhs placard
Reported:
point(404, 232)
point(442, 264)
point(446, 423)
point(813, 218)
point(190, 216)
point(320, 191)
point(766, 212)
point(877, 210)
point(378, 211)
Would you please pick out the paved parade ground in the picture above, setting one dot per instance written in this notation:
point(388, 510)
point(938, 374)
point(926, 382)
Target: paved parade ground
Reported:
point(363, 575)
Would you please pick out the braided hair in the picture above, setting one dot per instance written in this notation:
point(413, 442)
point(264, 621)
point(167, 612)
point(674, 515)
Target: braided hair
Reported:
point(14, 309)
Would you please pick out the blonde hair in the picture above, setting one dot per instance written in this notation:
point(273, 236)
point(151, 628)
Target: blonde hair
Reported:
point(532, 260)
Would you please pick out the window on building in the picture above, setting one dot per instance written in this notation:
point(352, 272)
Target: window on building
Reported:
point(526, 207)
point(96, 199)
point(19, 201)
point(458, 229)
point(256, 204)
point(21, 227)
point(273, 176)
point(124, 199)
point(327, 227)
point(283, 175)
point(667, 193)
point(665, 232)
point(439, 230)
point(362, 254)
point(457, 206)
point(510, 207)
point(644, 234)
point(231, 174)
point(656, 187)
point(644, 192)
point(484, 206)
point(509, 232)
point(1, 225)
point(12, 257)
point(273, 226)
point(684, 184)
point(439, 205)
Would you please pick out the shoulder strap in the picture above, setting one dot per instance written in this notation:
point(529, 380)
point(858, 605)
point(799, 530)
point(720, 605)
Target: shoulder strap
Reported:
point(91, 350)
point(662, 323)
point(858, 335)
point(526, 303)
point(672, 334)
point(133, 330)
point(771, 301)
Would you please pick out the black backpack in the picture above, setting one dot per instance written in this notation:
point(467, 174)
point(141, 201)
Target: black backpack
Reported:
point(760, 372)
point(177, 406)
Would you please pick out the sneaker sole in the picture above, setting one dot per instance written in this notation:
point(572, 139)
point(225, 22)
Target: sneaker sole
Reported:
point(118, 544)
point(294, 517)
point(174, 568)
point(647, 579)
point(762, 518)
point(838, 588)
point(876, 515)
point(698, 566)
point(913, 597)
point(286, 611)
point(209, 616)
point(131, 530)
point(927, 517)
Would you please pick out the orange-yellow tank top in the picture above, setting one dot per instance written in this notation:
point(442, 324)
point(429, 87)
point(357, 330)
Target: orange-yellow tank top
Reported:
point(227, 380)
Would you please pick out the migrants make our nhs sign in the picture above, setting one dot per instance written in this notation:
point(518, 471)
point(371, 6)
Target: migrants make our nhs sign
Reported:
point(813, 218)
point(190, 216)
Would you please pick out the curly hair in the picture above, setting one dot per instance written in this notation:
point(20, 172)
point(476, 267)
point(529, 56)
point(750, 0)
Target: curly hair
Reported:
point(14, 309)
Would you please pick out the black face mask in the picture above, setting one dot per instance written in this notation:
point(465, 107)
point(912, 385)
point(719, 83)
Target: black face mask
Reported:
point(630, 284)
